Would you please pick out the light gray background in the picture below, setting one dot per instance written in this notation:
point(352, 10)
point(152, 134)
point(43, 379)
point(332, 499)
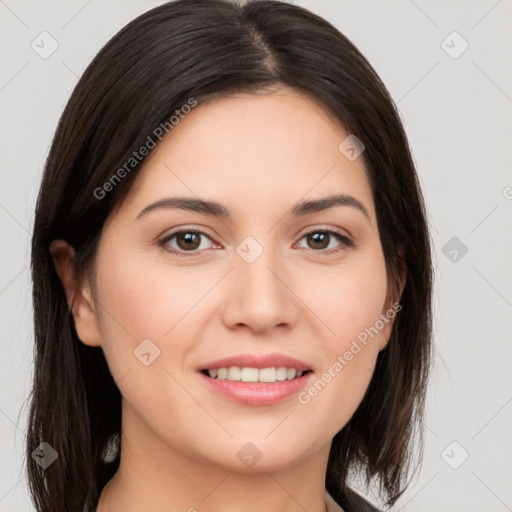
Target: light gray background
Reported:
point(457, 113)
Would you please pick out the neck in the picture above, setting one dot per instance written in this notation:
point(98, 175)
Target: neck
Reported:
point(154, 476)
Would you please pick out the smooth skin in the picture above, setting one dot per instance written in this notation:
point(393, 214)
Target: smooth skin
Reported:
point(258, 155)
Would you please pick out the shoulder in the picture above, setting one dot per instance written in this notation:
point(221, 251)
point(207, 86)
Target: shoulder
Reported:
point(348, 501)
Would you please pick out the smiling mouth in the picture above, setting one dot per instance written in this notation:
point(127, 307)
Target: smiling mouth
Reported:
point(259, 375)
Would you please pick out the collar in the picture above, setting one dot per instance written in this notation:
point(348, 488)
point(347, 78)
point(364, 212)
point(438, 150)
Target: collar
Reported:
point(331, 505)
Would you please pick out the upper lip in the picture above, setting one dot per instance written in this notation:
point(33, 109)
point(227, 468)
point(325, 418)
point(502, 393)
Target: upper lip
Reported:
point(257, 361)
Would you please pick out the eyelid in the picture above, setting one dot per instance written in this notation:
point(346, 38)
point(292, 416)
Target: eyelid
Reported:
point(328, 228)
point(345, 239)
point(162, 241)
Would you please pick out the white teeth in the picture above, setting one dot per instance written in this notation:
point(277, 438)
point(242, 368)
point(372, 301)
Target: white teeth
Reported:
point(248, 374)
point(268, 375)
point(234, 373)
point(281, 373)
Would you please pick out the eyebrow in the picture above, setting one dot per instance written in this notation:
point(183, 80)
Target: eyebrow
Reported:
point(218, 210)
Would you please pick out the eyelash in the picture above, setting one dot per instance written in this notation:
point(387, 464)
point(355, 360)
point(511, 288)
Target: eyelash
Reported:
point(342, 238)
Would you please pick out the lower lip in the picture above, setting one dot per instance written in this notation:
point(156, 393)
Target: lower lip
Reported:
point(256, 393)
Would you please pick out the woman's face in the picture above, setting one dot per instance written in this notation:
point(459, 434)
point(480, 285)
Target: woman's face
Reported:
point(262, 283)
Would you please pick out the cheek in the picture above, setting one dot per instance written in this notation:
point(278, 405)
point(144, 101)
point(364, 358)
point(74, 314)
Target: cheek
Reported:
point(138, 301)
point(143, 308)
point(143, 297)
point(347, 299)
point(349, 307)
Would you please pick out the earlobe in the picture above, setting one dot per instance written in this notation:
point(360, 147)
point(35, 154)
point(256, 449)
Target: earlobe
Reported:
point(78, 296)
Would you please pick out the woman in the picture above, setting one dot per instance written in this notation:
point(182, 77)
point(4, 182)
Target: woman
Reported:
point(232, 274)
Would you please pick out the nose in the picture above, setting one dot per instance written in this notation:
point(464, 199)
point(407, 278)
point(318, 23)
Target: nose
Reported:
point(260, 295)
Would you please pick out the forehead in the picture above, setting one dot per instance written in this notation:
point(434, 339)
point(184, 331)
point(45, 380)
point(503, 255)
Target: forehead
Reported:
point(253, 152)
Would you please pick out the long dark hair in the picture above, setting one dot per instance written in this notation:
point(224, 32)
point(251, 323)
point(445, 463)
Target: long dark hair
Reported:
point(201, 49)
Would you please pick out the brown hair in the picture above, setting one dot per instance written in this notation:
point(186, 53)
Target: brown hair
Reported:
point(155, 64)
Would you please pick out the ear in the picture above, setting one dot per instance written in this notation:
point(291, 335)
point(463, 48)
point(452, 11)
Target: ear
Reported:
point(78, 296)
point(392, 304)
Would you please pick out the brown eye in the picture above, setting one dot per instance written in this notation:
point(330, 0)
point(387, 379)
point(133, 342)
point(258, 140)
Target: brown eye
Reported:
point(188, 241)
point(321, 240)
point(185, 240)
point(318, 240)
